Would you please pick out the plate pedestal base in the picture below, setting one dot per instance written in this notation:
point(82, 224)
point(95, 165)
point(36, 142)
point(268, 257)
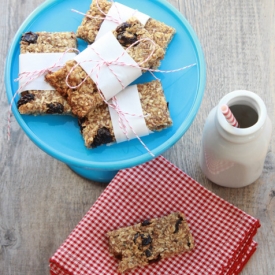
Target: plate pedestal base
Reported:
point(104, 176)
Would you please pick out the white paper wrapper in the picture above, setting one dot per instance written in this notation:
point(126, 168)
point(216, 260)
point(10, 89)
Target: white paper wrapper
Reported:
point(106, 77)
point(35, 62)
point(129, 102)
point(121, 14)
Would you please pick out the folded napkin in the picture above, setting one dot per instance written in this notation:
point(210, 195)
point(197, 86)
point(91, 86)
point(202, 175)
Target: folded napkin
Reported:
point(223, 233)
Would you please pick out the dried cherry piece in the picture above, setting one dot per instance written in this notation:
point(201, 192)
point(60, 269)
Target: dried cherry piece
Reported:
point(146, 240)
point(29, 37)
point(55, 108)
point(155, 260)
point(80, 123)
point(25, 99)
point(178, 222)
point(145, 223)
point(148, 253)
point(103, 137)
point(126, 39)
point(118, 256)
point(122, 27)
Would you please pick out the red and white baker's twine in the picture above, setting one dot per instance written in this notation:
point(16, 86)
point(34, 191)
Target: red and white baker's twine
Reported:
point(229, 116)
point(122, 119)
point(30, 76)
point(102, 62)
point(107, 63)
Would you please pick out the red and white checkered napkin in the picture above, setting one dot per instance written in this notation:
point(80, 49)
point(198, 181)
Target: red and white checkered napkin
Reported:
point(223, 233)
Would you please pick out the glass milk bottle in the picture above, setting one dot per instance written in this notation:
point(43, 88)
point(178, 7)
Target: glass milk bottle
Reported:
point(230, 156)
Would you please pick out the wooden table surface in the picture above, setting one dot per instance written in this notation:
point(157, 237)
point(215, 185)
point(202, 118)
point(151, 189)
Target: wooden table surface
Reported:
point(42, 200)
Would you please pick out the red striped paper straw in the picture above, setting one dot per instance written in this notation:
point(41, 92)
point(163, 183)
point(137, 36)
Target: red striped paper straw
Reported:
point(229, 116)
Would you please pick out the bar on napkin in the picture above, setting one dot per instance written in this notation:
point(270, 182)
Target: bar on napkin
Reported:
point(223, 233)
point(150, 241)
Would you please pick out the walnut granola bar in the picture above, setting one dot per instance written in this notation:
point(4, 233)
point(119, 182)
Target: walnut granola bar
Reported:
point(97, 128)
point(161, 33)
point(150, 241)
point(86, 97)
point(49, 101)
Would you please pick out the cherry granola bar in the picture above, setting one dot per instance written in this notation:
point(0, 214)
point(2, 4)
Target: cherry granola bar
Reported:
point(161, 33)
point(46, 101)
point(97, 128)
point(150, 241)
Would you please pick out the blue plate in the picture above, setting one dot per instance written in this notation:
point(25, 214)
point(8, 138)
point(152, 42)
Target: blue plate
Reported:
point(59, 136)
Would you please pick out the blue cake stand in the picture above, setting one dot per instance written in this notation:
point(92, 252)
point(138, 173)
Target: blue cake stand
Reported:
point(59, 136)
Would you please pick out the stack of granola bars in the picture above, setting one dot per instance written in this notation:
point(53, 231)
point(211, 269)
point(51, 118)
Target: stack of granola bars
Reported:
point(76, 86)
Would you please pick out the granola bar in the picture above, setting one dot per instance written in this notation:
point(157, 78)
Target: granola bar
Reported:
point(150, 241)
point(49, 101)
point(161, 33)
point(87, 97)
point(97, 128)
